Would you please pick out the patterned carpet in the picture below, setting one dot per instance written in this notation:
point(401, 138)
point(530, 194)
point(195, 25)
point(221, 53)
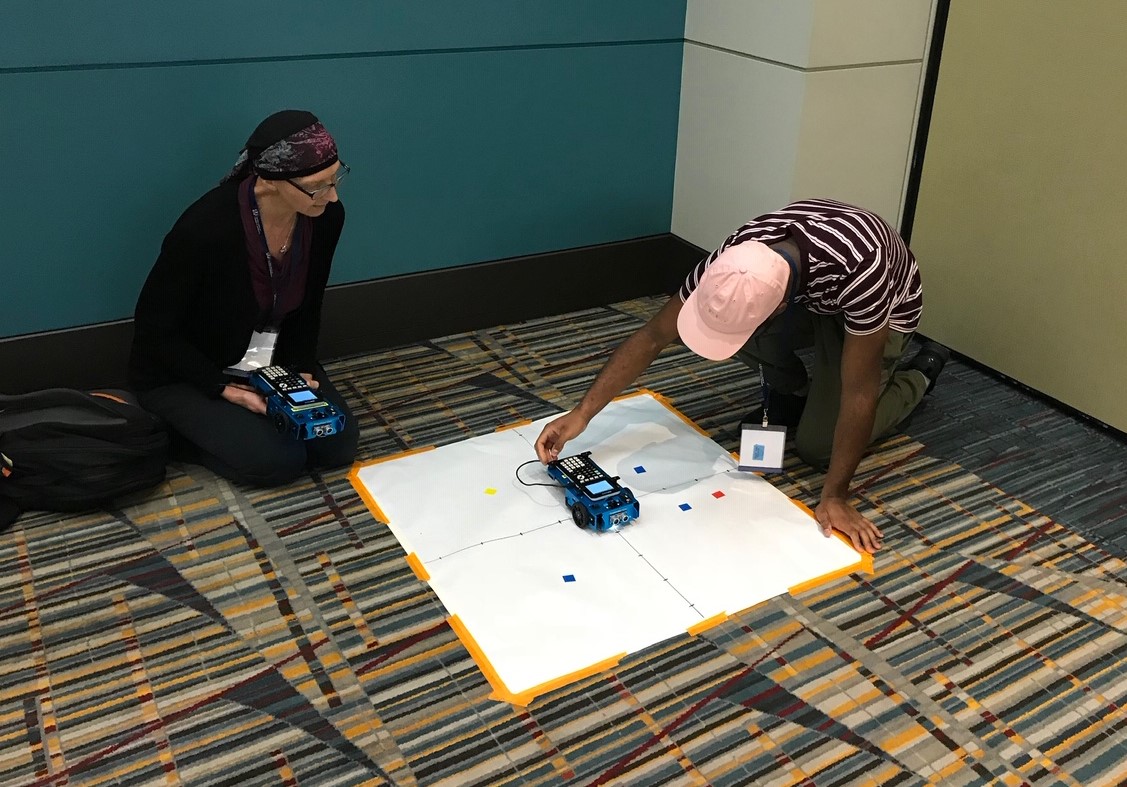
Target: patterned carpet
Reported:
point(211, 634)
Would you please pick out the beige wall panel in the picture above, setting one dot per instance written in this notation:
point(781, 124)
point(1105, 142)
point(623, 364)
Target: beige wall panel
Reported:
point(1021, 223)
point(857, 126)
point(853, 32)
point(813, 33)
point(737, 143)
point(776, 30)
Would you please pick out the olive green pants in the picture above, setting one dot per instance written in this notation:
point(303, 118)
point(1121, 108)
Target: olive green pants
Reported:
point(773, 348)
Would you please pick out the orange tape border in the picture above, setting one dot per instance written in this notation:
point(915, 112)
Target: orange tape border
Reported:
point(418, 567)
point(707, 623)
point(514, 425)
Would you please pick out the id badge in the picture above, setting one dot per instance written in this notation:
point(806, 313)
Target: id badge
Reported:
point(259, 355)
point(761, 448)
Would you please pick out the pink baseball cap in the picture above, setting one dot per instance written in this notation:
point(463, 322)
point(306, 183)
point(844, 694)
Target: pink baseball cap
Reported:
point(736, 294)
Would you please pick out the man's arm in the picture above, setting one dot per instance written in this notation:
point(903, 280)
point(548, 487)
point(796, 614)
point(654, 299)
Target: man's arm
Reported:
point(624, 366)
point(860, 390)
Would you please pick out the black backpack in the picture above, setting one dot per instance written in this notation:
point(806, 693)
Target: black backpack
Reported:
point(67, 450)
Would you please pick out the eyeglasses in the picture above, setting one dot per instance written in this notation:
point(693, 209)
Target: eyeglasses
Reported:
point(323, 190)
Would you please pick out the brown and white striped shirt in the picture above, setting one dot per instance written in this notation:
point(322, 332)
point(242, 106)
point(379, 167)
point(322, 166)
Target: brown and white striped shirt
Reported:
point(853, 263)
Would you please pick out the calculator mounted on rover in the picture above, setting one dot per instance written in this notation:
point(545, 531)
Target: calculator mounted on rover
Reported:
point(596, 499)
point(296, 409)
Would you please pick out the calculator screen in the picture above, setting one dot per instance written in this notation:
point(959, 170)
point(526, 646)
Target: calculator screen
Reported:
point(302, 396)
point(599, 487)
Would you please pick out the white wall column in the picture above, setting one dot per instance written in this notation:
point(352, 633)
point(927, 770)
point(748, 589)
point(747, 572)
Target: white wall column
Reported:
point(788, 99)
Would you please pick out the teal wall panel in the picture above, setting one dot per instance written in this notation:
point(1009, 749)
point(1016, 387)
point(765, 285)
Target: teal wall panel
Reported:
point(457, 156)
point(49, 33)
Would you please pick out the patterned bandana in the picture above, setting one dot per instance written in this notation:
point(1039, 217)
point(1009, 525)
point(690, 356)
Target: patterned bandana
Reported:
point(288, 144)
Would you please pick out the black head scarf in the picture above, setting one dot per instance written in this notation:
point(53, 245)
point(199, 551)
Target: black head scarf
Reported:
point(288, 144)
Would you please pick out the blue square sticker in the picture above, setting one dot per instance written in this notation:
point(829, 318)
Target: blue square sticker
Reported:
point(569, 577)
point(685, 507)
point(639, 469)
point(758, 452)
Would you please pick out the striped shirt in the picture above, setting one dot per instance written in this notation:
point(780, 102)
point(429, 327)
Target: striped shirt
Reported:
point(852, 263)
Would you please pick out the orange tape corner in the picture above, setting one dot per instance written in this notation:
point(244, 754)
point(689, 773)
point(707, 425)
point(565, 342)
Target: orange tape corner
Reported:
point(500, 690)
point(864, 564)
point(524, 699)
point(362, 490)
point(867, 564)
point(669, 406)
point(369, 501)
point(521, 699)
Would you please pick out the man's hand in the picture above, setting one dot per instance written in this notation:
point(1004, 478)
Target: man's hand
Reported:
point(309, 380)
point(245, 396)
point(631, 358)
point(551, 441)
point(835, 513)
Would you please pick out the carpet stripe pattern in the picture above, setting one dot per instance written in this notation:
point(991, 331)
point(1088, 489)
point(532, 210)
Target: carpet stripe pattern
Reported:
point(207, 633)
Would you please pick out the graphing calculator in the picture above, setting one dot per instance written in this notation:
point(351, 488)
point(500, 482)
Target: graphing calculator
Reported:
point(295, 408)
point(591, 479)
point(289, 384)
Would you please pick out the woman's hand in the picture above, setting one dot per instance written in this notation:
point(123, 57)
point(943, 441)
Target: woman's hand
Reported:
point(245, 396)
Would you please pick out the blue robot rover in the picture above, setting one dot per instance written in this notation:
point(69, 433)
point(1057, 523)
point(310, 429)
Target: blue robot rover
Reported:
point(596, 500)
point(295, 408)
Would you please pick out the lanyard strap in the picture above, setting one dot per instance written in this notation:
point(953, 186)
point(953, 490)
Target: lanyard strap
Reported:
point(788, 322)
point(269, 257)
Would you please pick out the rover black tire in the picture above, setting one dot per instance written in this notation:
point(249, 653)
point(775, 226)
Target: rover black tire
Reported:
point(580, 515)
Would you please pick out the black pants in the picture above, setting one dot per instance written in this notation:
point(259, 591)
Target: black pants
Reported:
point(243, 446)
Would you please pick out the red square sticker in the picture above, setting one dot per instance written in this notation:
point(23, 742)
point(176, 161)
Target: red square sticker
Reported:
point(718, 494)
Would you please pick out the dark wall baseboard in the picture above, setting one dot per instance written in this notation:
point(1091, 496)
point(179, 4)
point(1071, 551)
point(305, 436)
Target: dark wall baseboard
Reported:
point(381, 313)
point(92, 356)
point(1079, 415)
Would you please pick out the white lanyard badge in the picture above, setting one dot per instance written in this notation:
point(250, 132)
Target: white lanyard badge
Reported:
point(762, 446)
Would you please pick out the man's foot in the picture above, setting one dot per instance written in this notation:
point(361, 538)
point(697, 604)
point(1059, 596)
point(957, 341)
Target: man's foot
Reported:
point(929, 361)
point(783, 410)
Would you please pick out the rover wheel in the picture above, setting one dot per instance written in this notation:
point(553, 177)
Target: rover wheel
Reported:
point(581, 515)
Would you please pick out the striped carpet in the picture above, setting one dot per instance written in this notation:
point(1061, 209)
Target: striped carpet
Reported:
point(210, 634)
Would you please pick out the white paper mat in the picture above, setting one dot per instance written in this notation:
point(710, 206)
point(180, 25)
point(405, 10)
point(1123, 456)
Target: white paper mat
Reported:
point(545, 600)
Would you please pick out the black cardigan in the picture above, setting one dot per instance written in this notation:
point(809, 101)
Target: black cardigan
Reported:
point(197, 310)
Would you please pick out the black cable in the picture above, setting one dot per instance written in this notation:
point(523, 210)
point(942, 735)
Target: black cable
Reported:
point(534, 483)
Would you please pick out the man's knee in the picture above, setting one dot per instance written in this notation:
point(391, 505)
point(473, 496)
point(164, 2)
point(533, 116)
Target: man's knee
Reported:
point(814, 446)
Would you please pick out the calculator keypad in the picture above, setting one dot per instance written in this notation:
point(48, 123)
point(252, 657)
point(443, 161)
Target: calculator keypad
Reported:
point(581, 469)
point(283, 379)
